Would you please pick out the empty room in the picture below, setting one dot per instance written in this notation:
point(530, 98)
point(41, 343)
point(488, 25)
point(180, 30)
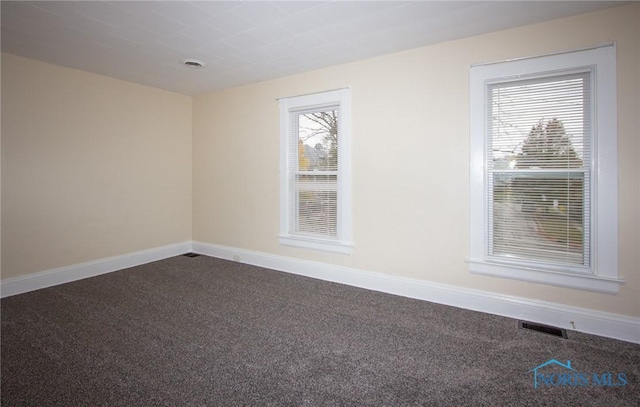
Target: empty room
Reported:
point(320, 203)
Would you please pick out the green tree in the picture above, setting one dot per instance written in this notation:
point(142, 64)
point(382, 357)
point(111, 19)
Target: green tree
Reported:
point(554, 199)
point(548, 146)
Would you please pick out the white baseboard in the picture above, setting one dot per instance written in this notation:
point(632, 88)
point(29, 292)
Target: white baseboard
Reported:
point(48, 278)
point(573, 318)
point(563, 316)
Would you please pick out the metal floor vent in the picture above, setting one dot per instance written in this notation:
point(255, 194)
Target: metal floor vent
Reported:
point(191, 255)
point(545, 329)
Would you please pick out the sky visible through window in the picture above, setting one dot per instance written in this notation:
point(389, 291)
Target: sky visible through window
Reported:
point(311, 132)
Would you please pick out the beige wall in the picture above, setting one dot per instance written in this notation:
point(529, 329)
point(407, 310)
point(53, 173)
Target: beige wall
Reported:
point(92, 167)
point(410, 157)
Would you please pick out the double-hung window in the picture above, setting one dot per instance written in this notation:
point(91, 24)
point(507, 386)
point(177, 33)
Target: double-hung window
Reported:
point(543, 180)
point(315, 171)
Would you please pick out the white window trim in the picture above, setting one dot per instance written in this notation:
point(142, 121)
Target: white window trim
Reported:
point(343, 244)
point(603, 275)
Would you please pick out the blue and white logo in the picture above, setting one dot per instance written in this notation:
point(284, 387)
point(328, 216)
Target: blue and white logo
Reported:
point(570, 377)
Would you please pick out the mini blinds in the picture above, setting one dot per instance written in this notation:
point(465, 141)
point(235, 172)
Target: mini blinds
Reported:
point(539, 170)
point(313, 164)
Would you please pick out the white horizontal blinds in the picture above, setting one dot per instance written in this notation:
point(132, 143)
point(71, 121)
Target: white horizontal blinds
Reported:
point(538, 170)
point(314, 151)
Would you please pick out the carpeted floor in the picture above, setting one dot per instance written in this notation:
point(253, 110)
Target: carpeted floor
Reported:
point(208, 332)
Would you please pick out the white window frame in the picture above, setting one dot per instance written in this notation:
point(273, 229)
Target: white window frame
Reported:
point(343, 242)
point(602, 275)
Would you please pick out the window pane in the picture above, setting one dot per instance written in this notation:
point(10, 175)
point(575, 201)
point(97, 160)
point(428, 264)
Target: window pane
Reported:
point(316, 179)
point(538, 161)
point(317, 203)
point(318, 141)
point(540, 123)
point(540, 218)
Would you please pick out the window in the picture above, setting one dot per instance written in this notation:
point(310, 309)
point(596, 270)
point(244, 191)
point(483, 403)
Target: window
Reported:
point(543, 180)
point(315, 171)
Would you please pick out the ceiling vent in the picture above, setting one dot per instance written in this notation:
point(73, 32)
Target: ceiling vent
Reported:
point(193, 63)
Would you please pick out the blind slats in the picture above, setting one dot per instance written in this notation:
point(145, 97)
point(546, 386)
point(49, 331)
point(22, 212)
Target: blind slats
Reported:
point(538, 164)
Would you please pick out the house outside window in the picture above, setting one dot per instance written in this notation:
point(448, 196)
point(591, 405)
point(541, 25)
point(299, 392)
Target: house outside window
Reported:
point(315, 193)
point(543, 179)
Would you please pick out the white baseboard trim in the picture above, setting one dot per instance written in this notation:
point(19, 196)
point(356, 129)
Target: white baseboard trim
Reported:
point(563, 316)
point(48, 278)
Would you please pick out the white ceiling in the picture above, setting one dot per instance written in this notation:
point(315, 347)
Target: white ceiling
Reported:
point(246, 41)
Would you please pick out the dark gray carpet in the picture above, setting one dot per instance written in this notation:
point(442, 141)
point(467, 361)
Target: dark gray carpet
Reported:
point(203, 331)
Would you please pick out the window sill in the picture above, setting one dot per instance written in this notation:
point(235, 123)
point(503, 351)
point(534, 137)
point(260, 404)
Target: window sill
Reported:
point(587, 282)
point(332, 246)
